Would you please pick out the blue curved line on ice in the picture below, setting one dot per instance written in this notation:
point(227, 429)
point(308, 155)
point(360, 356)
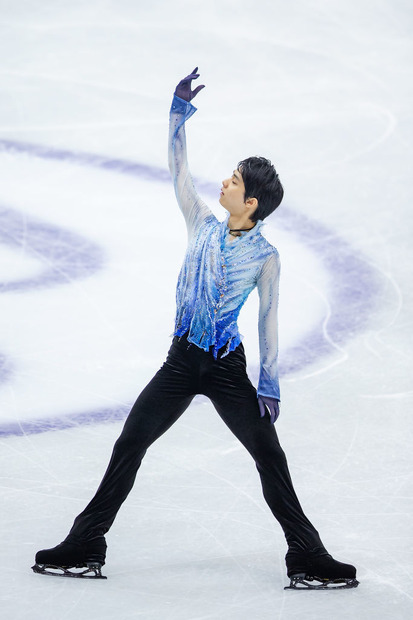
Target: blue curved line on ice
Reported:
point(355, 284)
point(63, 255)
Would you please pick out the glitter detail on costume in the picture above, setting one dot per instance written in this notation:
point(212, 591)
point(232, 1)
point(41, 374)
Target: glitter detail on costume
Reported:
point(217, 275)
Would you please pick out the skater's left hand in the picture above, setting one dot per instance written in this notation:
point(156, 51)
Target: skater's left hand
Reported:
point(271, 404)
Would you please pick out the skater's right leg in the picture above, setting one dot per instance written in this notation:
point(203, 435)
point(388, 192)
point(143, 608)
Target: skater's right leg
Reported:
point(152, 415)
point(159, 405)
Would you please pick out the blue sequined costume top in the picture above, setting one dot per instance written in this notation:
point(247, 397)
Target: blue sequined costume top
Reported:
point(220, 271)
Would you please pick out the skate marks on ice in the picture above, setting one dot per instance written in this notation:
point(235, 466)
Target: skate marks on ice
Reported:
point(65, 256)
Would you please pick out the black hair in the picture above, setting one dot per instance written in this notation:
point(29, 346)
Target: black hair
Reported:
point(261, 182)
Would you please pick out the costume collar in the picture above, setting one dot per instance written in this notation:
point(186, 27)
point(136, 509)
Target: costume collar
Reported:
point(248, 233)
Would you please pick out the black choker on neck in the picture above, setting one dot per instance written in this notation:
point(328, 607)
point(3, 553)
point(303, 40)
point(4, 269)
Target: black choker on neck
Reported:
point(236, 232)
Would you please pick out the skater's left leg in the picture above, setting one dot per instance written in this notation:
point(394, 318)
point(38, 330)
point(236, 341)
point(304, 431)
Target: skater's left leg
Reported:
point(234, 397)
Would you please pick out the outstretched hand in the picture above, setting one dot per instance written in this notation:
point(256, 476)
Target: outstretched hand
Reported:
point(271, 405)
point(183, 90)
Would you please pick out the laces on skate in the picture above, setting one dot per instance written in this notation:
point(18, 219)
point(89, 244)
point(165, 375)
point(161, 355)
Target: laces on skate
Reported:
point(304, 582)
point(92, 570)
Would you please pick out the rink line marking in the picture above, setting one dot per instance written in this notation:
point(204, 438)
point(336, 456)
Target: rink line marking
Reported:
point(65, 255)
point(328, 338)
point(356, 282)
point(397, 395)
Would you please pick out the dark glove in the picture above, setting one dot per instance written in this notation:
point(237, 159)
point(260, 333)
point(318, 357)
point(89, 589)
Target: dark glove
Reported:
point(183, 90)
point(271, 404)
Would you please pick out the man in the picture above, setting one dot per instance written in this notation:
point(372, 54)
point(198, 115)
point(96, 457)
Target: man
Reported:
point(223, 263)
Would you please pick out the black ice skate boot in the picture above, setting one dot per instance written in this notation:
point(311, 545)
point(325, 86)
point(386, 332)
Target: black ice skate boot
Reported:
point(303, 568)
point(73, 553)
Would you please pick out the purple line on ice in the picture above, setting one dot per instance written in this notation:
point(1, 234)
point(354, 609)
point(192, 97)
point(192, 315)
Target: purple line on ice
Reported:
point(65, 421)
point(355, 284)
point(63, 255)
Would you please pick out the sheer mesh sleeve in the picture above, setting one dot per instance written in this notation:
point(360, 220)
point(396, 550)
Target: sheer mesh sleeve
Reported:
point(191, 205)
point(267, 284)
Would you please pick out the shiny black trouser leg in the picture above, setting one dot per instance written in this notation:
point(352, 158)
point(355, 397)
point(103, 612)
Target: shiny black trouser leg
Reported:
point(188, 370)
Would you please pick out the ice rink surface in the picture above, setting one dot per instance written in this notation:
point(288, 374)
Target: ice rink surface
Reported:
point(91, 242)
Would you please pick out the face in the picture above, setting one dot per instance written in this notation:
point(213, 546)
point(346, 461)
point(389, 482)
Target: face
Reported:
point(232, 194)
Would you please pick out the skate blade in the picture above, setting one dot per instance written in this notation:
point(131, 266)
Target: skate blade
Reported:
point(303, 583)
point(91, 571)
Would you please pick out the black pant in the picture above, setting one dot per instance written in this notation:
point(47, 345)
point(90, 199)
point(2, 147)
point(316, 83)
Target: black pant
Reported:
point(187, 371)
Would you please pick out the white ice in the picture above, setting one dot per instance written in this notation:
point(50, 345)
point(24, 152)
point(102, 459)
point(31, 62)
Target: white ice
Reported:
point(325, 90)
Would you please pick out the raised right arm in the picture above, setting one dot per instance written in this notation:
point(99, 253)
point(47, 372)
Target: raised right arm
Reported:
point(191, 205)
